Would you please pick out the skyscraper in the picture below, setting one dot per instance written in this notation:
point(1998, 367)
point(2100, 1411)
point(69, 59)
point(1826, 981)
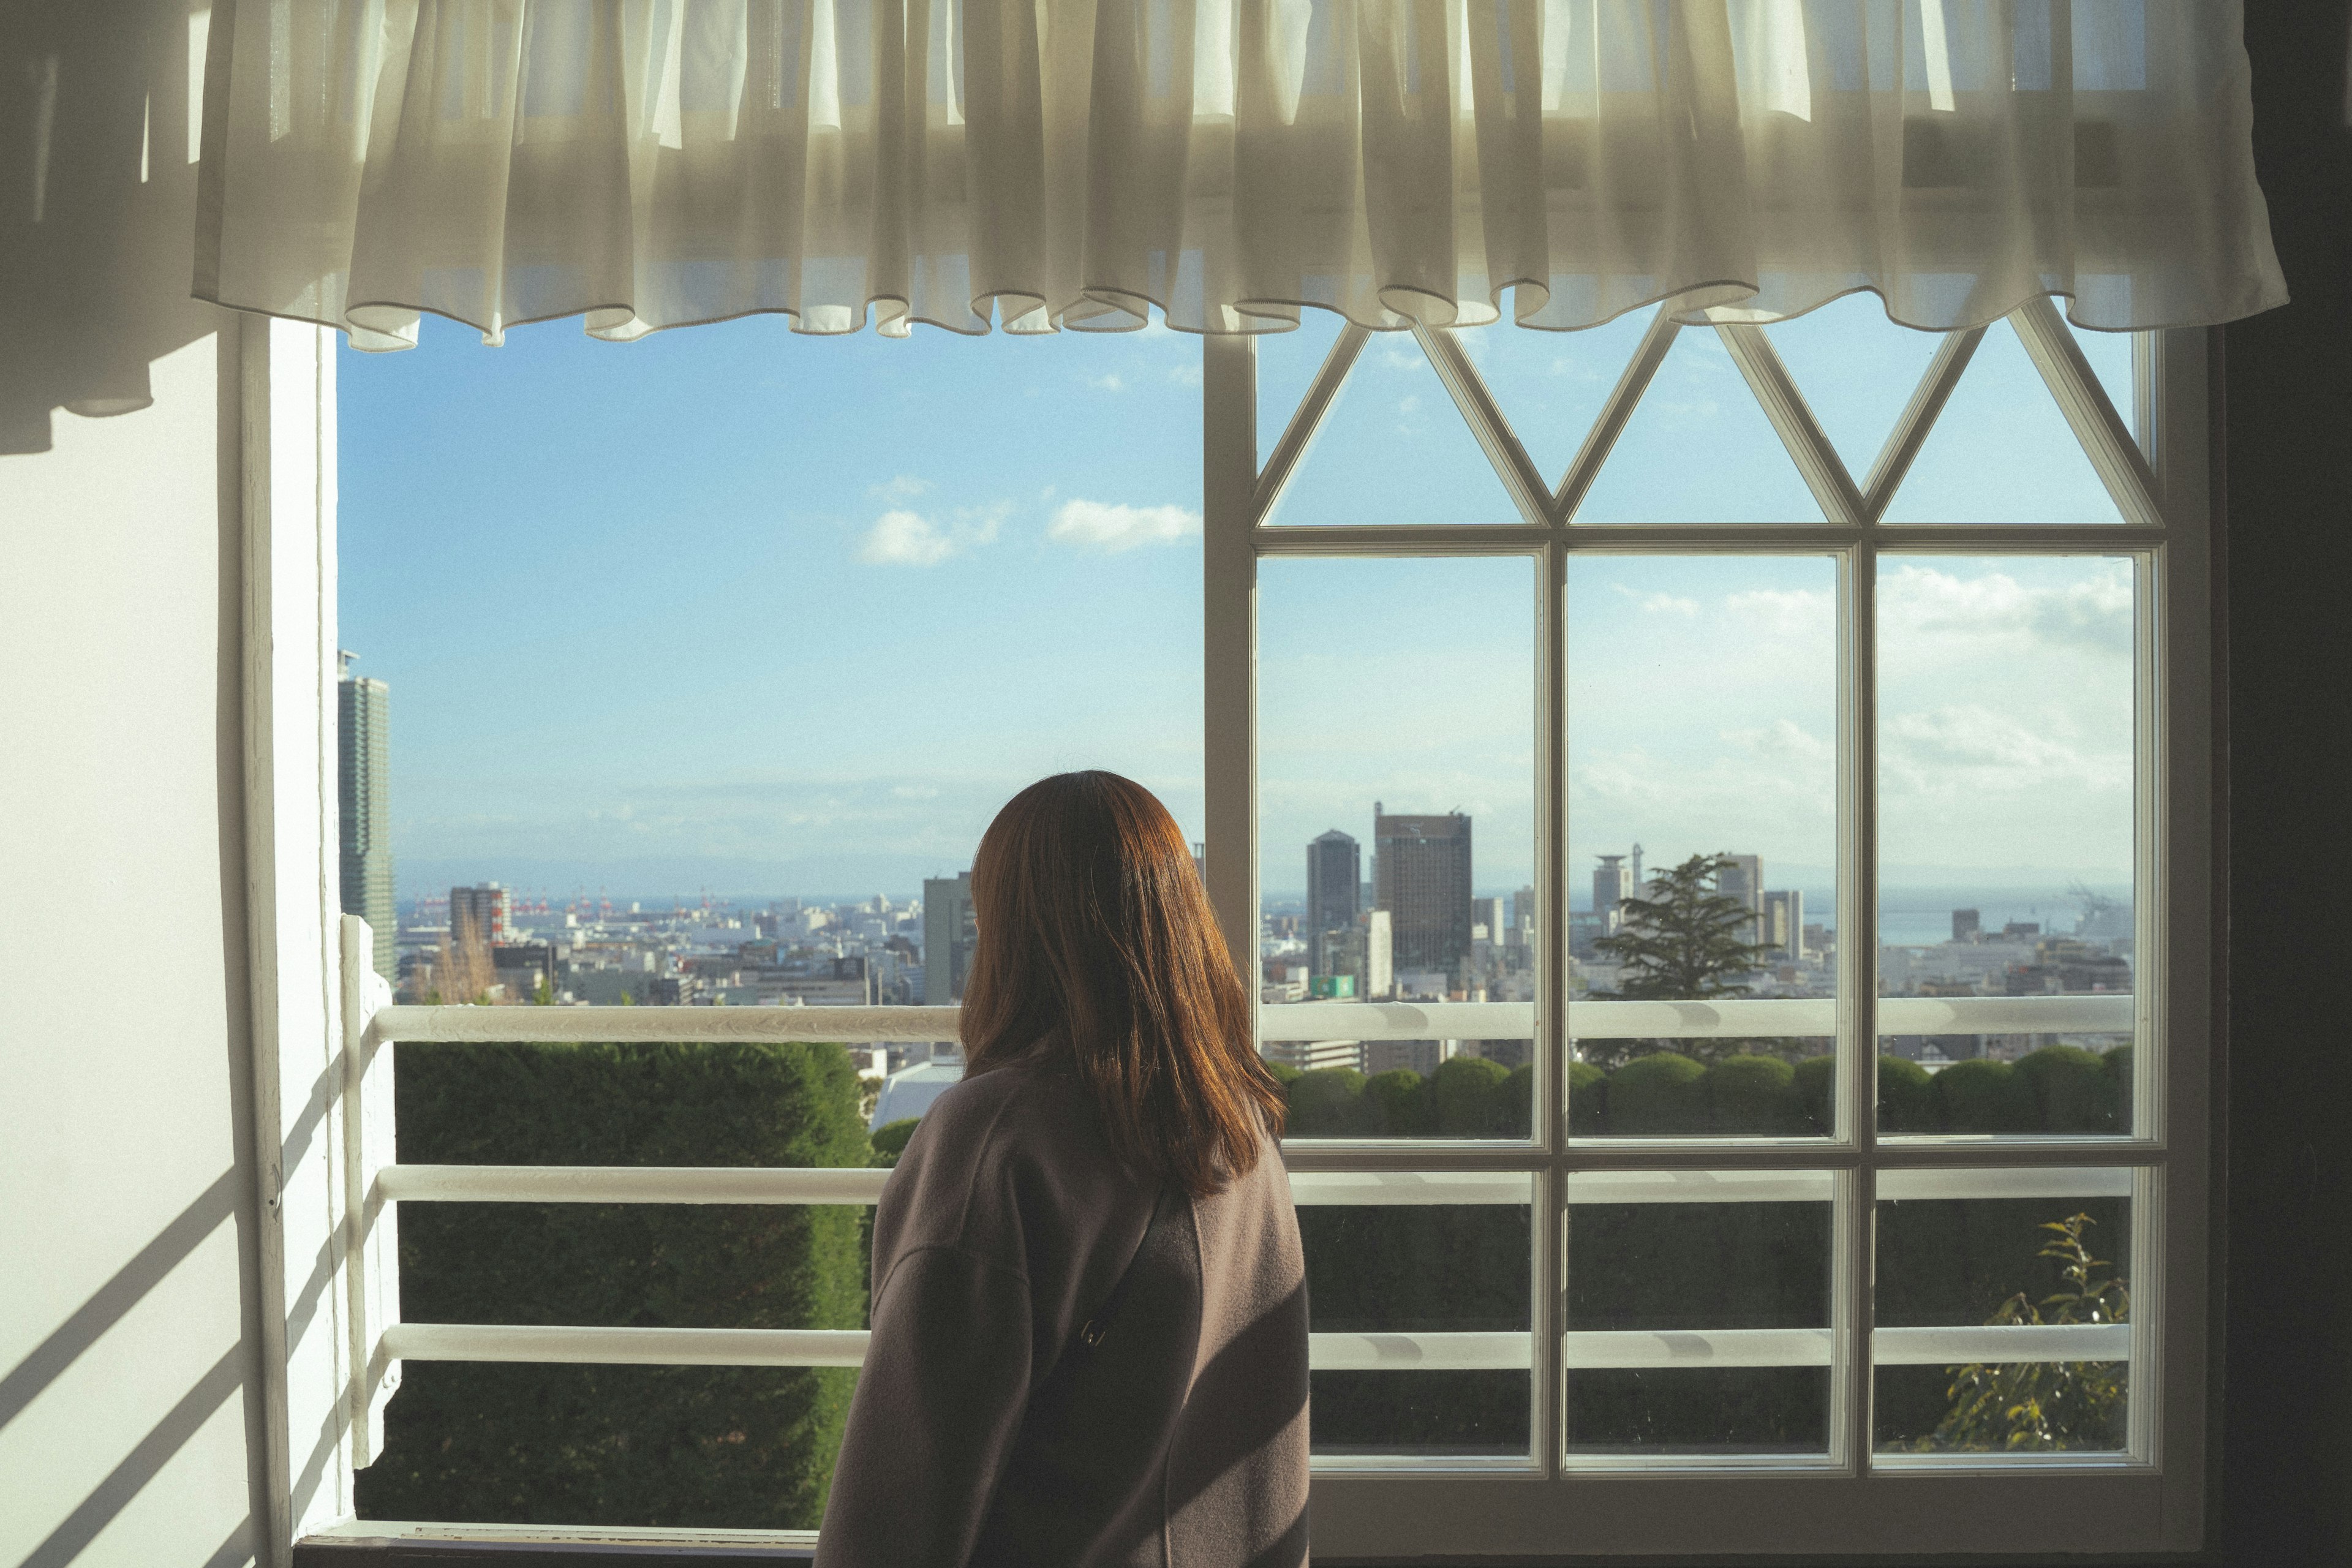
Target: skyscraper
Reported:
point(481, 911)
point(1334, 881)
point(1611, 885)
point(948, 934)
point(1523, 918)
point(1424, 881)
point(363, 802)
point(1742, 878)
point(1784, 922)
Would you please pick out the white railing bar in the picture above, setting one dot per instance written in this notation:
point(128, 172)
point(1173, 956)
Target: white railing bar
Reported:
point(2001, 1343)
point(1598, 1350)
point(569, 1345)
point(1421, 1352)
point(755, 1185)
point(1700, 1187)
point(632, 1026)
point(1324, 1189)
point(628, 1184)
point(577, 1346)
point(1764, 1017)
point(2046, 1182)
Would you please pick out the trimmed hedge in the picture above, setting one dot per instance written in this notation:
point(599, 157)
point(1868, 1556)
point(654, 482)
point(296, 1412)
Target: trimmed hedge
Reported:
point(2059, 1089)
point(622, 1445)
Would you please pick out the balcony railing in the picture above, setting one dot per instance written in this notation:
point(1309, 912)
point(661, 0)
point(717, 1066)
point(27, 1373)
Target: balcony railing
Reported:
point(377, 1183)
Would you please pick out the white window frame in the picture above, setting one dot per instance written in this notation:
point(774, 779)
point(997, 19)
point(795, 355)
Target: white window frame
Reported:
point(2152, 1499)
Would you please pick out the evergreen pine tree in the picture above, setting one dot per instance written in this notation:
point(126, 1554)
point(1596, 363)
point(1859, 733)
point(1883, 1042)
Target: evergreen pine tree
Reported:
point(1683, 941)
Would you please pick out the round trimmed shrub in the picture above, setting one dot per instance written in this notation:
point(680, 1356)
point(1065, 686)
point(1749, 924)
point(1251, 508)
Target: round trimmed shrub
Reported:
point(891, 1140)
point(1466, 1092)
point(1515, 1102)
point(1906, 1096)
point(1327, 1103)
point(1754, 1095)
point(1658, 1095)
point(1816, 1090)
point(1588, 1099)
point(1396, 1104)
point(2072, 1091)
point(2118, 1066)
point(1985, 1096)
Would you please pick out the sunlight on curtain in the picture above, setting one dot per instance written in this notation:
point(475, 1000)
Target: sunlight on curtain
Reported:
point(1053, 163)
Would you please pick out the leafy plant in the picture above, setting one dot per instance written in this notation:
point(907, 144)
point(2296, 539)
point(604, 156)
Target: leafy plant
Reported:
point(2030, 1406)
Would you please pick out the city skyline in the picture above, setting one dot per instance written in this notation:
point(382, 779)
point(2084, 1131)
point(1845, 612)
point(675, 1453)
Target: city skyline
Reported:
point(841, 654)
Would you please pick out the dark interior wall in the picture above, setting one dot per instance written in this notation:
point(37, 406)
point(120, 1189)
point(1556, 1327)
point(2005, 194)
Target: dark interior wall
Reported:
point(2286, 380)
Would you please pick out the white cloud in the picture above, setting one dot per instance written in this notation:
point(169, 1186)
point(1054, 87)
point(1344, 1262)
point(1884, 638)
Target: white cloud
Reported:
point(1186, 374)
point(2093, 613)
point(1409, 405)
point(1783, 738)
point(902, 538)
point(1659, 604)
point(1785, 612)
point(903, 487)
point(1101, 525)
point(1106, 383)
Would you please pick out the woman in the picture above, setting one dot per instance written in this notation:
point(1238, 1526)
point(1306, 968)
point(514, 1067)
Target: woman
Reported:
point(1090, 1306)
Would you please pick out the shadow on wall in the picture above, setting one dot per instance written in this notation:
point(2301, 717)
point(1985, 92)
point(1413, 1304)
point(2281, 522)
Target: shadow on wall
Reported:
point(100, 102)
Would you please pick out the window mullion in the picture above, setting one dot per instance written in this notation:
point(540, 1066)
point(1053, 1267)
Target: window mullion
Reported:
point(1229, 645)
point(1551, 1012)
point(1919, 416)
point(1857, 984)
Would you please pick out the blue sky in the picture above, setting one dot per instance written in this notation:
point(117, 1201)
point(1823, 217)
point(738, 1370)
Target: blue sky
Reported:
point(734, 609)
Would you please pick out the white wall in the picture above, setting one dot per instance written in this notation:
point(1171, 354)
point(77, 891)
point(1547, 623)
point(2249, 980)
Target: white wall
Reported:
point(128, 1369)
point(133, 1410)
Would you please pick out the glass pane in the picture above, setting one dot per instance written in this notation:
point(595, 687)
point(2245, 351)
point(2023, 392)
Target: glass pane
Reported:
point(1396, 758)
point(2006, 810)
point(1393, 448)
point(1696, 1326)
point(1698, 449)
point(1959, 1250)
point(1454, 1277)
point(1702, 809)
point(2001, 452)
point(1857, 371)
point(1551, 386)
point(624, 1444)
point(1286, 364)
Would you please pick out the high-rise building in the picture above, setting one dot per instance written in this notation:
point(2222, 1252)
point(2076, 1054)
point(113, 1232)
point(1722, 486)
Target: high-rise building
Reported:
point(482, 913)
point(1611, 885)
point(1363, 951)
point(1784, 922)
point(1967, 925)
point(1335, 874)
point(1423, 872)
point(364, 801)
point(949, 936)
point(1741, 877)
point(1523, 918)
point(1488, 912)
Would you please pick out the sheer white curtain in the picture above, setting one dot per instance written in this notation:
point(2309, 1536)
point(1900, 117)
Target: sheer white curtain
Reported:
point(1070, 162)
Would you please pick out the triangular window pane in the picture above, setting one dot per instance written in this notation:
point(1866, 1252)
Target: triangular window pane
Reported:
point(1857, 371)
point(1393, 448)
point(1698, 449)
point(1551, 386)
point(2001, 452)
point(1286, 364)
point(2110, 355)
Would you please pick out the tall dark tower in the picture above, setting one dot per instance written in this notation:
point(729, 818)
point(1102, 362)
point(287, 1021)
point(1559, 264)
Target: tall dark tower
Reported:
point(1335, 874)
point(363, 799)
point(1423, 875)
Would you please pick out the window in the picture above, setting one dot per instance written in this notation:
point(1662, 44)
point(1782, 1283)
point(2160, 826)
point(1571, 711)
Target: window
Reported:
point(1713, 814)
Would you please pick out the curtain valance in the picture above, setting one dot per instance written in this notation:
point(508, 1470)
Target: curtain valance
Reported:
point(1056, 164)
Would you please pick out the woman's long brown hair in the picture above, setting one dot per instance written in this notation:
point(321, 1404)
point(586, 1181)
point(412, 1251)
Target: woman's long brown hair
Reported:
point(1094, 938)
